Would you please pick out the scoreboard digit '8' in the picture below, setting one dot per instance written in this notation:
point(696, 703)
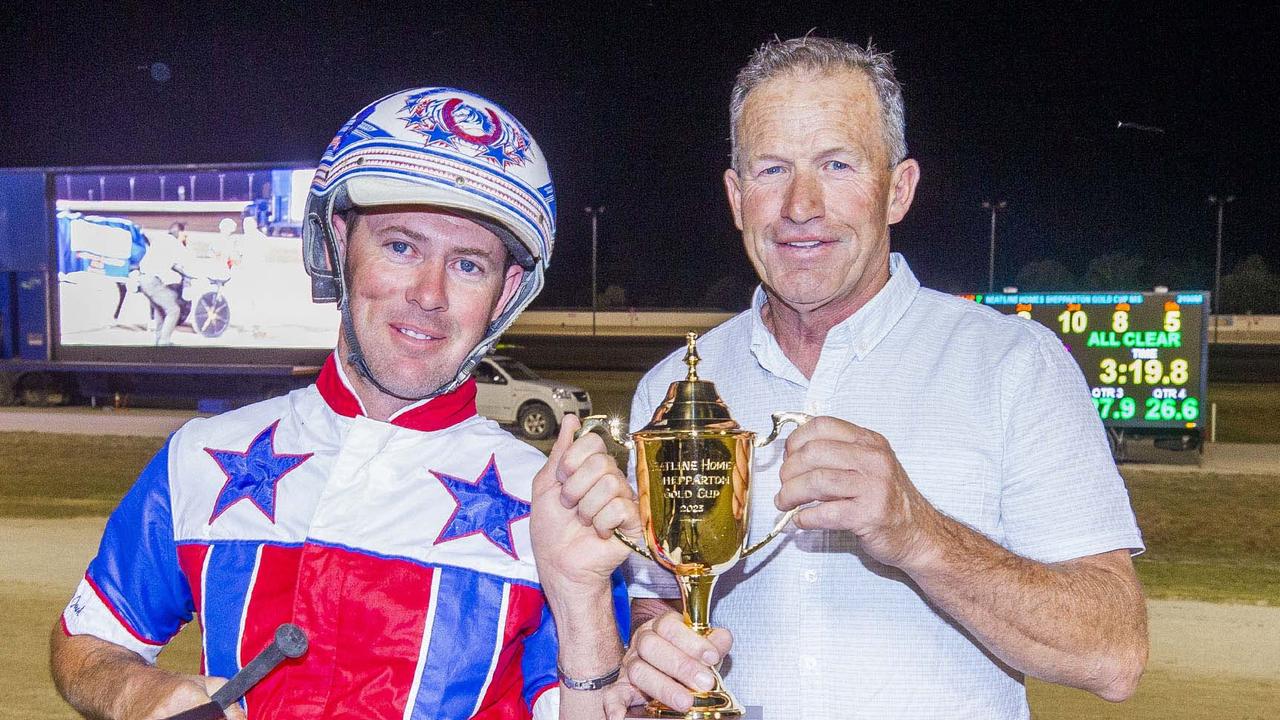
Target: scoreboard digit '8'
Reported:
point(1143, 354)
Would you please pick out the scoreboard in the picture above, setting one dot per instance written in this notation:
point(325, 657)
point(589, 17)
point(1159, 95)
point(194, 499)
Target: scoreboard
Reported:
point(1143, 353)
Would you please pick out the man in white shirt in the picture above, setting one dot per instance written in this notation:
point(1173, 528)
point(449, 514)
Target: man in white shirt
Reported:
point(963, 524)
point(160, 279)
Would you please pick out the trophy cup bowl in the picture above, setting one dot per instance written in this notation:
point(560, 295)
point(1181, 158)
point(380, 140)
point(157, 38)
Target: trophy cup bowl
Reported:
point(693, 478)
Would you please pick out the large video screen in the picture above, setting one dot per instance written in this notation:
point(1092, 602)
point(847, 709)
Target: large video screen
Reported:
point(221, 250)
point(1142, 354)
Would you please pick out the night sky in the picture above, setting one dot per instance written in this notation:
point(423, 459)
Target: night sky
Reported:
point(629, 102)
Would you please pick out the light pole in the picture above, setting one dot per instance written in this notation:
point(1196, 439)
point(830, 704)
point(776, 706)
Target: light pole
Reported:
point(595, 212)
point(1221, 202)
point(994, 206)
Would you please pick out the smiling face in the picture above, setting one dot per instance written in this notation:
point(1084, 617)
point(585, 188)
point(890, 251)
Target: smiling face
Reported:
point(424, 287)
point(816, 195)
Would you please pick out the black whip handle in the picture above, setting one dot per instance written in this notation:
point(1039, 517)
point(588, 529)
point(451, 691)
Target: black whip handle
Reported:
point(289, 642)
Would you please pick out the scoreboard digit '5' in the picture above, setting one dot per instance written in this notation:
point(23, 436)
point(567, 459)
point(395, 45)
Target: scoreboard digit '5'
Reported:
point(1143, 353)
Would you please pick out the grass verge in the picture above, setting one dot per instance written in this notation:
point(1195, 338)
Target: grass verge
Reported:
point(1246, 412)
point(1202, 516)
point(47, 475)
point(1209, 537)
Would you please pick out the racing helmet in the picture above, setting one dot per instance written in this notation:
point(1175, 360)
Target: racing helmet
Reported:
point(443, 148)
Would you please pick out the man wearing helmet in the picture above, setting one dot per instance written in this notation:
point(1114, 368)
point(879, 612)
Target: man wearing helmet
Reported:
point(382, 515)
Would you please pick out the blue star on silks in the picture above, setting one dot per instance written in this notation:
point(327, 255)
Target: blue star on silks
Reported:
point(484, 506)
point(253, 474)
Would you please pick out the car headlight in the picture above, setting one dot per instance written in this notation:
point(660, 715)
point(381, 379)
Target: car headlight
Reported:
point(562, 393)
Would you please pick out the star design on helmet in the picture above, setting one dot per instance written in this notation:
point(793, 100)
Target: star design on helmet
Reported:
point(498, 154)
point(483, 506)
point(438, 133)
point(254, 473)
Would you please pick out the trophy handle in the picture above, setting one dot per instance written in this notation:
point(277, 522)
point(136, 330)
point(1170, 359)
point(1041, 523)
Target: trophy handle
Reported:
point(635, 547)
point(779, 420)
point(611, 427)
point(782, 523)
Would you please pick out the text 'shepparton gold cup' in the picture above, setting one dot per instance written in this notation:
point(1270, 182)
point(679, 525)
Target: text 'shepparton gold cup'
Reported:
point(693, 475)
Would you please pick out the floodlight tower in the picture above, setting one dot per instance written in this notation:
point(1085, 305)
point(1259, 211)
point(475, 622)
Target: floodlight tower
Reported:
point(994, 206)
point(1221, 202)
point(595, 211)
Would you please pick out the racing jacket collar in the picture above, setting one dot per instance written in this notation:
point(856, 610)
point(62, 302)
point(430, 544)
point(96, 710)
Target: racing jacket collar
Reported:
point(437, 413)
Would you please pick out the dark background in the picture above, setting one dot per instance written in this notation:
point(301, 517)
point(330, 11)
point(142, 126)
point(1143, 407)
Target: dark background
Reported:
point(629, 102)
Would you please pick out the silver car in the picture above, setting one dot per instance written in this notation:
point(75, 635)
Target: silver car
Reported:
point(510, 393)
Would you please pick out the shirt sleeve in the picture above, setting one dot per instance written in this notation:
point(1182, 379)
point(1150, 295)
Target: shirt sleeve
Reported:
point(645, 578)
point(542, 680)
point(134, 593)
point(1062, 496)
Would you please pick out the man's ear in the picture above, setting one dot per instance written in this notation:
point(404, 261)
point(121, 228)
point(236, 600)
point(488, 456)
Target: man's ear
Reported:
point(340, 233)
point(510, 284)
point(733, 189)
point(902, 189)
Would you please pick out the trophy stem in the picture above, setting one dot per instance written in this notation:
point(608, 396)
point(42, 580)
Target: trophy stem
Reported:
point(695, 591)
point(717, 703)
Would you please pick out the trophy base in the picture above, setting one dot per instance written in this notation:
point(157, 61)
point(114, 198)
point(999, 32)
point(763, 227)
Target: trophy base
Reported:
point(714, 704)
point(658, 710)
point(727, 711)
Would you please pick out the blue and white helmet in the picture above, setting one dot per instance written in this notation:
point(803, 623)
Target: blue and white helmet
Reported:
point(442, 148)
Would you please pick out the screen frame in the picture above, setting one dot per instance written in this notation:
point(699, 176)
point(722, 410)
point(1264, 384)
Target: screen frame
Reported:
point(226, 356)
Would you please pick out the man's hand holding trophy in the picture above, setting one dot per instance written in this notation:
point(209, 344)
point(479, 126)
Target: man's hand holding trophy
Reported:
point(693, 475)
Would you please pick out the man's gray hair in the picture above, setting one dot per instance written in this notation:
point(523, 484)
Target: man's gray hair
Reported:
point(779, 57)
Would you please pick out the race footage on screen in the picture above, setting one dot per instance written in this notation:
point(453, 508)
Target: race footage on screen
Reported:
point(222, 247)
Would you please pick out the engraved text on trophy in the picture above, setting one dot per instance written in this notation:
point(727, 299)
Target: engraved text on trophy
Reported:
point(695, 491)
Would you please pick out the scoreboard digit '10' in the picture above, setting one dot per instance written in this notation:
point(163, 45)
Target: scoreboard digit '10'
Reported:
point(1143, 353)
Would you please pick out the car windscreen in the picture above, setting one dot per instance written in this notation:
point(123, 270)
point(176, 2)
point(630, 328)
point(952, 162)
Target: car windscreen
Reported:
point(516, 369)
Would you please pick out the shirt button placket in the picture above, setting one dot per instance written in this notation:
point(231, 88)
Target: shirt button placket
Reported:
point(810, 703)
point(810, 620)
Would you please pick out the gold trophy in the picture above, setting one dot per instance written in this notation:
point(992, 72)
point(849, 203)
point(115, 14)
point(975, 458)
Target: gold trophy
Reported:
point(693, 474)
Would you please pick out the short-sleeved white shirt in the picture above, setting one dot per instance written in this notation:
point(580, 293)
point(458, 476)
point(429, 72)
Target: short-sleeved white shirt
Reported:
point(992, 421)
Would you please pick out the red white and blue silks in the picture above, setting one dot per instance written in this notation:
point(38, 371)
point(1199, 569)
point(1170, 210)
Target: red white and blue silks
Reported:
point(401, 548)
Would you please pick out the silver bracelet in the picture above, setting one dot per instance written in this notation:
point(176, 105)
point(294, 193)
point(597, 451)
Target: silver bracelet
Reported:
point(595, 683)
